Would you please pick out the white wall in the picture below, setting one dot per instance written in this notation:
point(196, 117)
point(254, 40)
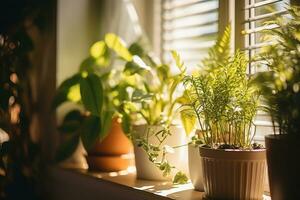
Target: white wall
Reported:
point(78, 24)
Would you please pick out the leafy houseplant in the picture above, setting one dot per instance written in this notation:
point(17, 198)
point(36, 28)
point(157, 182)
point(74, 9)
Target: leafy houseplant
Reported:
point(155, 103)
point(138, 92)
point(224, 101)
point(280, 90)
point(99, 91)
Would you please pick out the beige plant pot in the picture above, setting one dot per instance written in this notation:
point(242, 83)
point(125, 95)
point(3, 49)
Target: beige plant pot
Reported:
point(233, 174)
point(146, 169)
point(195, 167)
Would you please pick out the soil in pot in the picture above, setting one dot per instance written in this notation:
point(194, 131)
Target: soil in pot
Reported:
point(113, 153)
point(283, 153)
point(233, 174)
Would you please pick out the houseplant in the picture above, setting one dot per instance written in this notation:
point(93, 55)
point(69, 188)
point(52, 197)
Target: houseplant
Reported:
point(157, 139)
point(99, 91)
point(280, 90)
point(224, 102)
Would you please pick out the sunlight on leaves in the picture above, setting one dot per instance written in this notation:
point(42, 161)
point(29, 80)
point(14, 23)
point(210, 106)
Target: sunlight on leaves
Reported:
point(118, 45)
point(98, 49)
point(180, 178)
point(178, 61)
point(188, 121)
point(74, 93)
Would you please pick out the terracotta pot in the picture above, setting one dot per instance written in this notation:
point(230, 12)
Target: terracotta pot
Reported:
point(283, 166)
point(195, 167)
point(146, 169)
point(113, 152)
point(115, 143)
point(108, 163)
point(233, 174)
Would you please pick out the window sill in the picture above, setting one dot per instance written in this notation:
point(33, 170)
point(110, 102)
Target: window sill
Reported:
point(82, 184)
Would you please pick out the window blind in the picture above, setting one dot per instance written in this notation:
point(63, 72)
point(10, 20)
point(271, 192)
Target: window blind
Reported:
point(189, 27)
point(257, 12)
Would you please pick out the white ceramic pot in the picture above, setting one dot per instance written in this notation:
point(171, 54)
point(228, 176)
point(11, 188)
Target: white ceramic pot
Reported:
point(146, 169)
point(195, 167)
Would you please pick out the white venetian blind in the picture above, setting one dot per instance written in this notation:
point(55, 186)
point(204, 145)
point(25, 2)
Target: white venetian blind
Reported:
point(189, 27)
point(257, 12)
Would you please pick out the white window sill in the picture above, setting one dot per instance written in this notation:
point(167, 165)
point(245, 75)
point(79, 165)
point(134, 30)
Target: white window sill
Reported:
point(82, 184)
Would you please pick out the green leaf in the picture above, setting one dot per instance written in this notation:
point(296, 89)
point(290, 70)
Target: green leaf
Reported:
point(71, 123)
point(66, 149)
point(188, 121)
point(180, 178)
point(136, 49)
point(74, 93)
point(88, 65)
point(175, 82)
point(90, 131)
point(137, 65)
point(118, 46)
point(163, 72)
point(178, 61)
point(140, 95)
point(73, 115)
point(98, 49)
point(126, 123)
point(132, 68)
point(91, 91)
point(106, 120)
point(219, 54)
point(69, 127)
point(64, 89)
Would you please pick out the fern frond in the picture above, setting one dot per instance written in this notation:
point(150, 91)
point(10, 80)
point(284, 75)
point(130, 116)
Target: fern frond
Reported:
point(219, 54)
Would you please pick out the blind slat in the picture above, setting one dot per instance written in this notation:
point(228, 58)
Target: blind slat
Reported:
point(262, 3)
point(265, 16)
point(189, 27)
point(210, 6)
point(168, 5)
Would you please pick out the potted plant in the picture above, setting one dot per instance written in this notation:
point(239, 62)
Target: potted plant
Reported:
point(99, 91)
point(224, 102)
point(155, 136)
point(280, 90)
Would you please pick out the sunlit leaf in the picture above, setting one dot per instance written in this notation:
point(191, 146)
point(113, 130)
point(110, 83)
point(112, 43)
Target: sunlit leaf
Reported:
point(74, 93)
point(180, 178)
point(132, 68)
point(98, 49)
point(139, 95)
point(118, 46)
point(178, 61)
point(188, 121)
point(163, 72)
point(63, 90)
